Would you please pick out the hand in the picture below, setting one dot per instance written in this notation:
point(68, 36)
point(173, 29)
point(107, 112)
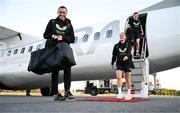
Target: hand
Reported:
point(125, 58)
point(54, 36)
point(59, 37)
point(142, 33)
point(128, 26)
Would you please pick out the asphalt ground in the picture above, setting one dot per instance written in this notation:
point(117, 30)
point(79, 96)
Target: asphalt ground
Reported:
point(40, 104)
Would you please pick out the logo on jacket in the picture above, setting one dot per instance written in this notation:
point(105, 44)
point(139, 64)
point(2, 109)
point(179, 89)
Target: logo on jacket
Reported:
point(122, 50)
point(61, 30)
point(136, 24)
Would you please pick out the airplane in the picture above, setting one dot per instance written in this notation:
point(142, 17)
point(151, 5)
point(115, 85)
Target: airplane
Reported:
point(93, 49)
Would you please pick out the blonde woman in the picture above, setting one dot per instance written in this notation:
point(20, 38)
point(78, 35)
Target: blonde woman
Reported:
point(123, 58)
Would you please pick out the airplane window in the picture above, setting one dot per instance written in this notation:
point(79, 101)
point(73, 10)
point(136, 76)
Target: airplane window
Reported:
point(38, 47)
point(85, 38)
point(30, 48)
point(109, 33)
point(15, 51)
point(9, 53)
point(22, 50)
point(97, 36)
point(76, 39)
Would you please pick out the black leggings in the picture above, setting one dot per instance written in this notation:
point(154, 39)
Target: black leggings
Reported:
point(66, 77)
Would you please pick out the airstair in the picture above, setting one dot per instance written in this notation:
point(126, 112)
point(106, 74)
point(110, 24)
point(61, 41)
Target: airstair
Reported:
point(139, 79)
point(140, 75)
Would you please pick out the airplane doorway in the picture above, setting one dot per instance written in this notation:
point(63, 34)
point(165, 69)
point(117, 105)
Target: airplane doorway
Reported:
point(143, 50)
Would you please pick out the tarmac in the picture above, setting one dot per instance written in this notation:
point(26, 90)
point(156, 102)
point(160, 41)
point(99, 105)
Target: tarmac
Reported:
point(40, 104)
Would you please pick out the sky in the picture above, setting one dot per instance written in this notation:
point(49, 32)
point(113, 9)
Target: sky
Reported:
point(32, 16)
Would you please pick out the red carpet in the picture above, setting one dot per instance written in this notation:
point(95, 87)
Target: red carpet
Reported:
point(111, 100)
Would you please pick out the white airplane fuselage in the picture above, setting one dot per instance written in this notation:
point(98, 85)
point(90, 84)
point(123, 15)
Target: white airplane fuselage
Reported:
point(93, 56)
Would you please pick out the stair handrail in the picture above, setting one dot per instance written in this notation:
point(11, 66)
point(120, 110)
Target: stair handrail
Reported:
point(143, 49)
point(142, 58)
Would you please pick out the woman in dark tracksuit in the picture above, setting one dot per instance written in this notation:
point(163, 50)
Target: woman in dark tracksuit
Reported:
point(137, 29)
point(123, 58)
point(60, 30)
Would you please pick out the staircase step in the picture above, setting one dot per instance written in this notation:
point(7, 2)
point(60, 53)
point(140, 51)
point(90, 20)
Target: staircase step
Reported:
point(136, 71)
point(137, 78)
point(136, 86)
point(137, 57)
point(135, 91)
point(139, 64)
point(132, 74)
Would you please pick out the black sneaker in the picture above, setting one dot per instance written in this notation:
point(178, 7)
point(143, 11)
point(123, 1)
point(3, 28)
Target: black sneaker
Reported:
point(59, 97)
point(68, 95)
point(28, 95)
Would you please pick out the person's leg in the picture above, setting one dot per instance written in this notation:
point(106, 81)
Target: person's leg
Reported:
point(132, 51)
point(67, 79)
point(28, 92)
point(132, 47)
point(67, 83)
point(54, 86)
point(137, 46)
point(54, 82)
point(128, 81)
point(119, 78)
point(119, 82)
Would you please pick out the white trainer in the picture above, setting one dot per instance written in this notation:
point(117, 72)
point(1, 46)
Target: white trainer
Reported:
point(128, 97)
point(119, 96)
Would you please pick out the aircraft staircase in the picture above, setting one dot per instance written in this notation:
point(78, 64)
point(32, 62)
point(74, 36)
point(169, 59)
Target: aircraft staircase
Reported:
point(140, 75)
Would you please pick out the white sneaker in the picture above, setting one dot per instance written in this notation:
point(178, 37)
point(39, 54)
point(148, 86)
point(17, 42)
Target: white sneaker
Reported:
point(119, 96)
point(128, 97)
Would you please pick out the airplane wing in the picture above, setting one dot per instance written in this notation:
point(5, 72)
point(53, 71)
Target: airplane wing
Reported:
point(7, 33)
